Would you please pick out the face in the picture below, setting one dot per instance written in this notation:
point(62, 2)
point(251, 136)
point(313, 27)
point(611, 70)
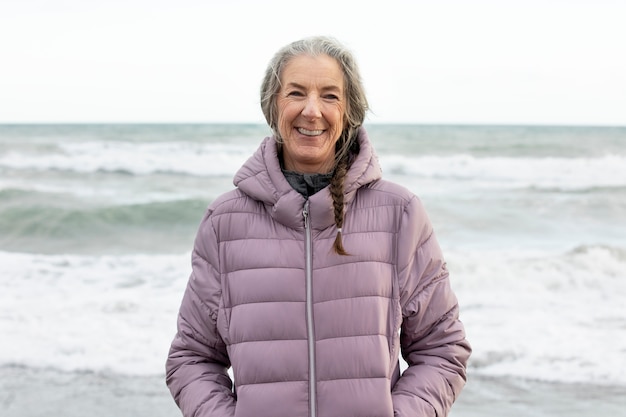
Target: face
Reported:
point(311, 110)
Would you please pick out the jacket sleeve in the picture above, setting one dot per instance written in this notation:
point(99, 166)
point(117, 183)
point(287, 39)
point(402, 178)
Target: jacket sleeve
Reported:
point(196, 368)
point(432, 338)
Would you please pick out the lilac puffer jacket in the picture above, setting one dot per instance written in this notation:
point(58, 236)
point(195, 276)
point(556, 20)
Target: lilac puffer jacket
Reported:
point(306, 331)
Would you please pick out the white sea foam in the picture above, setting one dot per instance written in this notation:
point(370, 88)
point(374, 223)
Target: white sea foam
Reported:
point(90, 313)
point(541, 316)
point(218, 159)
point(188, 158)
point(508, 172)
point(555, 317)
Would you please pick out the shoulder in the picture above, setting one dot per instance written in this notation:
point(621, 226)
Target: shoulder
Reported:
point(398, 202)
point(385, 192)
point(232, 205)
point(228, 202)
point(226, 206)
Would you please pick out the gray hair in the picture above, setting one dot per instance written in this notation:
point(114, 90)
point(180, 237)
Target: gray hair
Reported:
point(357, 104)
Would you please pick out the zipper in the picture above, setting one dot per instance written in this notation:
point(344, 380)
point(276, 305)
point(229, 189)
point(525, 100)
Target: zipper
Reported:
point(309, 309)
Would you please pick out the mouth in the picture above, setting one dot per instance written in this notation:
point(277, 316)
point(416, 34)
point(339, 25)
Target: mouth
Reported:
point(307, 132)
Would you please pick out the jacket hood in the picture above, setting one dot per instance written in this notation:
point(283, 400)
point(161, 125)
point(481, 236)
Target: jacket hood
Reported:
point(262, 179)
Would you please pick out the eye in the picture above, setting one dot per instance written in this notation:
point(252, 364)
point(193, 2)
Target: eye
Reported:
point(295, 93)
point(333, 97)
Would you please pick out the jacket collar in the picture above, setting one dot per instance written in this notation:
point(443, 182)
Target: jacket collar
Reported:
point(261, 178)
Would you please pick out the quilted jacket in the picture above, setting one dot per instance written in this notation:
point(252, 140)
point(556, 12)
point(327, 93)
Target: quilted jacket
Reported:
point(307, 332)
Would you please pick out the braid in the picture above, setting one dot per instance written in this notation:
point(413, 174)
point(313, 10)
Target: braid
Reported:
point(336, 191)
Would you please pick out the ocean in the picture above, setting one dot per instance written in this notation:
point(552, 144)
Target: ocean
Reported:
point(97, 223)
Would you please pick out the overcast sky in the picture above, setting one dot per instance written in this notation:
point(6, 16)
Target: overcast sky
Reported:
point(445, 61)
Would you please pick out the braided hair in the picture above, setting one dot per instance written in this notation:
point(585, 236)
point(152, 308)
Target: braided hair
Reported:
point(345, 152)
point(336, 192)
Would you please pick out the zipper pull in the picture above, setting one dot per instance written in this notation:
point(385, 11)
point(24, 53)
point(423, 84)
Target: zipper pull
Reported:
point(305, 214)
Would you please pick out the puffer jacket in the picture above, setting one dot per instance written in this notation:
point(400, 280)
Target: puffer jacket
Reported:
point(306, 331)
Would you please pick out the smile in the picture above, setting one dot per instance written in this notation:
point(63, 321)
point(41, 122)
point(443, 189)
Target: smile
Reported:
point(310, 132)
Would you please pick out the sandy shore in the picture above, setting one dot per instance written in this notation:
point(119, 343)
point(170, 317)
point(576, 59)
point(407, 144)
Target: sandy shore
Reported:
point(28, 392)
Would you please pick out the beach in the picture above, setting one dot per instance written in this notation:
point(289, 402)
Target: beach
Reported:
point(35, 393)
point(97, 224)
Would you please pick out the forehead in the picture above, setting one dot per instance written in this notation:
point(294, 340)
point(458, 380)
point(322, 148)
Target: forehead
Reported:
point(319, 70)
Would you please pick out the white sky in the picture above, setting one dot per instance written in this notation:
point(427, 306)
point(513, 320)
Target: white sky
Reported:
point(445, 61)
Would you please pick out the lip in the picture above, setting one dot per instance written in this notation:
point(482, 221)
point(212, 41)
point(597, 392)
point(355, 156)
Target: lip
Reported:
point(309, 132)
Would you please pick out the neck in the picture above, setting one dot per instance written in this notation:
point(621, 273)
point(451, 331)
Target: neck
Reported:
point(323, 168)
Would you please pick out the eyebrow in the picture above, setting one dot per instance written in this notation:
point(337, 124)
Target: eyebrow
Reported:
point(326, 88)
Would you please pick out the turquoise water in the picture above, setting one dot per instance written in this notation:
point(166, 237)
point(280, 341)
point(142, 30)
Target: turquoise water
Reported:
point(93, 184)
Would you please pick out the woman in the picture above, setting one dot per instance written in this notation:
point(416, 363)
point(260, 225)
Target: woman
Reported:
point(311, 276)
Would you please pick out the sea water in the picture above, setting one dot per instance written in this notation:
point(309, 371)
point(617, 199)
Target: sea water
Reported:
point(97, 223)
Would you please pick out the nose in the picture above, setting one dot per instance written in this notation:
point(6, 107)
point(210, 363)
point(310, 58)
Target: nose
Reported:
point(312, 109)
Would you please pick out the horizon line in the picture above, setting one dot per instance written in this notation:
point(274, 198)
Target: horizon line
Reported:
point(366, 123)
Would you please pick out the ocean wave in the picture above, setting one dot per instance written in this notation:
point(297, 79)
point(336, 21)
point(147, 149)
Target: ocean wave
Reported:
point(224, 159)
point(185, 158)
point(545, 316)
point(90, 313)
point(509, 172)
point(64, 226)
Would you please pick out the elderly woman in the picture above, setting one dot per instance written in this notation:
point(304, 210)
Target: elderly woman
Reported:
point(313, 275)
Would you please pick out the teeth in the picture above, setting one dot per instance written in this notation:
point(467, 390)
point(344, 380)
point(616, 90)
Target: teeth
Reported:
point(310, 132)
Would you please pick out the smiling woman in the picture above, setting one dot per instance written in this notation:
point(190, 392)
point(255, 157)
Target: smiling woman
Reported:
point(310, 328)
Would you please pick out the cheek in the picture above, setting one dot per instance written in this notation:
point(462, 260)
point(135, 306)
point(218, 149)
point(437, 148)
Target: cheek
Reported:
point(340, 120)
point(282, 118)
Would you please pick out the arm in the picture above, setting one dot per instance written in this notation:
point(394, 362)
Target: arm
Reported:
point(196, 368)
point(432, 337)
